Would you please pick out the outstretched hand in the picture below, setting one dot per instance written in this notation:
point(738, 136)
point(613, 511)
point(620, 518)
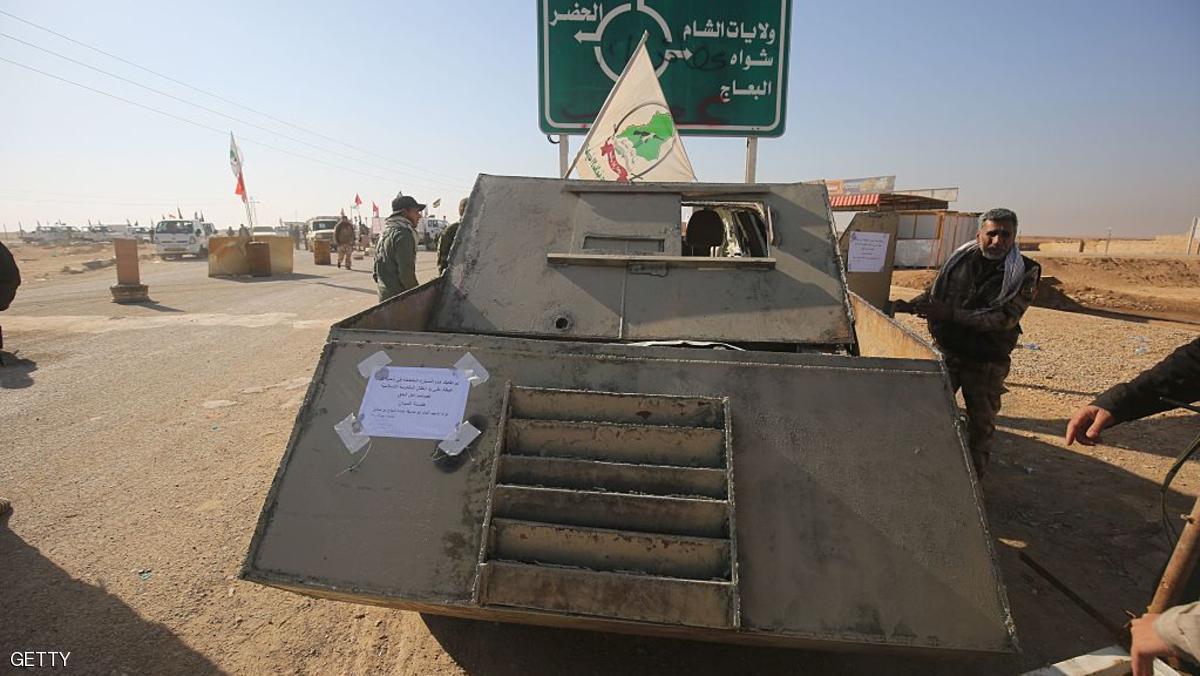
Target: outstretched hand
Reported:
point(1146, 644)
point(1085, 425)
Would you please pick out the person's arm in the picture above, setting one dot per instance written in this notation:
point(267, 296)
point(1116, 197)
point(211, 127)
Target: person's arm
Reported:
point(405, 256)
point(1176, 377)
point(911, 306)
point(1006, 316)
point(444, 244)
point(1175, 632)
point(387, 272)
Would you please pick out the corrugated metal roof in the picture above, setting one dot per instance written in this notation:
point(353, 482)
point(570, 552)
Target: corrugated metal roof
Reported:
point(841, 201)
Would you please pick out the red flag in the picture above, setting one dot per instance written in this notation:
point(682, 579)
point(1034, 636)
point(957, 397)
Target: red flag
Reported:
point(374, 209)
point(357, 201)
point(241, 188)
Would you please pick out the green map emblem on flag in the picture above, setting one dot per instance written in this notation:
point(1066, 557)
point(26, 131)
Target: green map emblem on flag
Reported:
point(634, 138)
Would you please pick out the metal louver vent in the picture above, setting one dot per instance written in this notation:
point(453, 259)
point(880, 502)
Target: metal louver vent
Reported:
point(613, 505)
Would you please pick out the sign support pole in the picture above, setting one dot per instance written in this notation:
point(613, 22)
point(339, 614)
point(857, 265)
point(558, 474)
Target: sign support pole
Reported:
point(751, 157)
point(563, 154)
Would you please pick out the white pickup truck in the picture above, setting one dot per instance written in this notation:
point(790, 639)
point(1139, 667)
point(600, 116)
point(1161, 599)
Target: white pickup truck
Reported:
point(174, 238)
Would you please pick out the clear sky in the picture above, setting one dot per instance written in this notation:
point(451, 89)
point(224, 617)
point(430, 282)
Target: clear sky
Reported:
point(1080, 115)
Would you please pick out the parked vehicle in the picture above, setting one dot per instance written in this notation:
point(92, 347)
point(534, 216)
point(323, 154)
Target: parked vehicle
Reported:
point(140, 233)
point(174, 238)
point(46, 234)
point(429, 230)
point(263, 230)
point(321, 227)
point(98, 233)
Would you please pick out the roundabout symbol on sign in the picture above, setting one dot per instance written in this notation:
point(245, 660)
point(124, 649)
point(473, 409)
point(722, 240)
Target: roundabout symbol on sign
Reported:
point(595, 36)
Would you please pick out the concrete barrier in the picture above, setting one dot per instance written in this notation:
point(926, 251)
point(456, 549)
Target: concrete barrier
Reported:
point(227, 255)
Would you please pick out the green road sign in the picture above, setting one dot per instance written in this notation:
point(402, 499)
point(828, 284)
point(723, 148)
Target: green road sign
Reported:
point(722, 65)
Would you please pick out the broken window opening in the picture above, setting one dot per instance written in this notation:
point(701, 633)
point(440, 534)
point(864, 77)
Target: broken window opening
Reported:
point(725, 229)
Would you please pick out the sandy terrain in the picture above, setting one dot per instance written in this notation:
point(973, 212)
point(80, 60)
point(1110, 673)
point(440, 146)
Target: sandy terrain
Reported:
point(41, 263)
point(1165, 287)
point(139, 443)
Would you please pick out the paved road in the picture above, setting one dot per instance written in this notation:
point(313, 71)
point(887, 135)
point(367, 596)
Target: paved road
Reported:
point(142, 438)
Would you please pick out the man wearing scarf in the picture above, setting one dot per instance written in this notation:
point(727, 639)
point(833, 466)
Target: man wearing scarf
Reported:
point(974, 309)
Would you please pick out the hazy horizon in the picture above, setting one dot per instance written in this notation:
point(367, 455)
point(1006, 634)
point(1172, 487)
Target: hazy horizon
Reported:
point(1081, 116)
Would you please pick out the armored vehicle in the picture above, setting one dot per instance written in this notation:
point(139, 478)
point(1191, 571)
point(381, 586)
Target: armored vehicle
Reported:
point(686, 427)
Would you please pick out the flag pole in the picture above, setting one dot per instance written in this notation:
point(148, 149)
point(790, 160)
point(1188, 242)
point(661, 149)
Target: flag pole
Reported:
point(607, 101)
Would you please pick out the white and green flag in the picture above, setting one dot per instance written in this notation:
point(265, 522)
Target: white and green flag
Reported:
point(634, 137)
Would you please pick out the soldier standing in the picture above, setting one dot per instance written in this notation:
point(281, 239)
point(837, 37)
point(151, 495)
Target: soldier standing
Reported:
point(343, 237)
point(974, 309)
point(447, 238)
point(396, 251)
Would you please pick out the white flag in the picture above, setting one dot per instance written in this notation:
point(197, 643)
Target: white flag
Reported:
point(235, 158)
point(634, 137)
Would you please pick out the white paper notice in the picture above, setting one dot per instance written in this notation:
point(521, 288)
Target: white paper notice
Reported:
point(413, 403)
point(868, 251)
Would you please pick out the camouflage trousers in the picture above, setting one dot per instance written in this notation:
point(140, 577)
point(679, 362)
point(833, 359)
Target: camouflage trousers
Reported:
point(981, 383)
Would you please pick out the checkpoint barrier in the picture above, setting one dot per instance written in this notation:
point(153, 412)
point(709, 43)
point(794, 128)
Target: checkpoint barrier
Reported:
point(321, 249)
point(227, 255)
point(258, 257)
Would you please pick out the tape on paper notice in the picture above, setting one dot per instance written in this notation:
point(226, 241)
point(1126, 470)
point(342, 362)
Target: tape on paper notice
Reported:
point(368, 366)
point(460, 438)
point(472, 369)
point(350, 431)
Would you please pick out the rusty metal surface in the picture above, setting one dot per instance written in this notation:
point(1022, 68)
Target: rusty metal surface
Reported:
point(606, 549)
point(500, 282)
point(686, 446)
point(650, 513)
point(879, 336)
point(559, 404)
point(692, 603)
point(857, 522)
point(554, 472)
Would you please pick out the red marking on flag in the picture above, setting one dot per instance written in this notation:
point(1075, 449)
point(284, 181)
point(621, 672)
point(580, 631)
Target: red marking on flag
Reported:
point(610, 152)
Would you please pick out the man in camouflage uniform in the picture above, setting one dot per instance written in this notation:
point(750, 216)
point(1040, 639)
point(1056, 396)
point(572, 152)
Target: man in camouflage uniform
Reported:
point(447, 238)
point(974, 309)
point(396, 250)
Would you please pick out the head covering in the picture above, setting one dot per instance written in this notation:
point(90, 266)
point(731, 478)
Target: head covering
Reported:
point(402, 202)
point(1014, 273)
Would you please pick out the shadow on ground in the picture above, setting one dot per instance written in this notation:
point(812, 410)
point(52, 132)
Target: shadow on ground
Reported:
point(498, 649)
point(1093, 525)
point(15, 371)
point(369, 292)
point(288, 277)
point(1166, 437)
point(45, 608)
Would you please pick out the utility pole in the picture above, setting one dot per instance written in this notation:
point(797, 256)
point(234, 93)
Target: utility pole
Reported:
point(563, 154)
point(751, 158)
point(1192, 235)
point(1107, 241)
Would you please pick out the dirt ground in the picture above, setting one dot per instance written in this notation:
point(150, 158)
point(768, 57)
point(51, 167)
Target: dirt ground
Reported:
point(41, 263)
point(1163, 287)
point(139, 444)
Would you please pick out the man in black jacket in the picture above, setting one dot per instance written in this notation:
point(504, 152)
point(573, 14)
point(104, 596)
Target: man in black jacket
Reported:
point(974, 310)
point(1177, 378)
